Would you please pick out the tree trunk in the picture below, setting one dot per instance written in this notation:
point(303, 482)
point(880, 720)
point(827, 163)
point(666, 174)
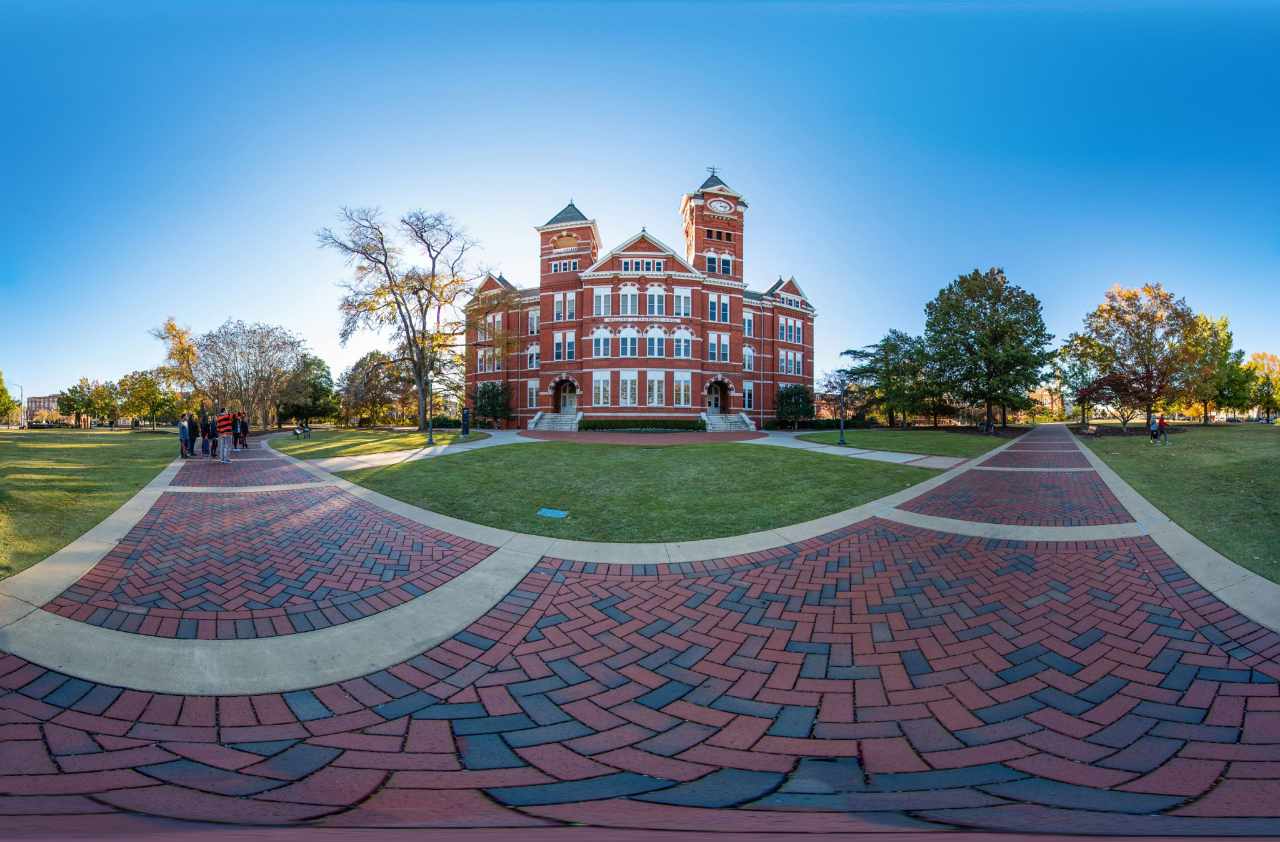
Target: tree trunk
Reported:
point(420, 383)
point(991, 420)
point(430, 419)
point(892, 420)
point(1004, 417)
point(1205, 419)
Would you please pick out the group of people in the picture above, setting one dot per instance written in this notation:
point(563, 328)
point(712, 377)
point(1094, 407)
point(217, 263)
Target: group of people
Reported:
point(214, 436)
point(1159, 430)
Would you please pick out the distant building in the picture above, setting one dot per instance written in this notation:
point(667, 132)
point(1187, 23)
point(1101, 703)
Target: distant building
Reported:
point(643, 332)
point(42, 403)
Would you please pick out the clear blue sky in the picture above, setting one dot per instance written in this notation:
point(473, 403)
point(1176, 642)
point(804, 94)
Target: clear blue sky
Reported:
point(176, 159)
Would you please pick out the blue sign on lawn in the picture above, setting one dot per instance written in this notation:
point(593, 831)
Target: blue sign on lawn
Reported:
point(555, 513)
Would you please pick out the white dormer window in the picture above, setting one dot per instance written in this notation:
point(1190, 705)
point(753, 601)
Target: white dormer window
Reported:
point(657, 265)
point(648, 266)
point(626, 266)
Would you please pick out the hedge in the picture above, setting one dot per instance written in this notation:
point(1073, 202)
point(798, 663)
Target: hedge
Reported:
point(644, 424)
point(820, 424)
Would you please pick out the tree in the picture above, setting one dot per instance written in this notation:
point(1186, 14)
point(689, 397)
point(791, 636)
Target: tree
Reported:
point(1216, 375)
point(1266, 382)
point(794, 404)
point(246, 365)
point(371, 386)
point(74, 401)
point(843, 389)
point(1144, 332)
point(988, 338)
point(493, 400)
point(180, 354)
point(143, 395)
point(1116, 392)
point(425, 306)
point(891, 370)
point(1078, 367)
point(8, 406)
point(309, 393)
point(104, 402)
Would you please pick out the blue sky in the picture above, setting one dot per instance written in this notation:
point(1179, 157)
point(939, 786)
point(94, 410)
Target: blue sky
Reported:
point(177, 158)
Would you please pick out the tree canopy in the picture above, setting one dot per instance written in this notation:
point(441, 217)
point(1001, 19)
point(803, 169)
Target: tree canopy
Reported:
point(988, 338)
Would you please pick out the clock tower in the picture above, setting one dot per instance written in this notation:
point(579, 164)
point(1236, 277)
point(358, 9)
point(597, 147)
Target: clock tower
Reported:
point(713, 220)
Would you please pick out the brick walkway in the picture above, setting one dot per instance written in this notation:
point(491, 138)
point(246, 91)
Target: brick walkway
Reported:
point(878, 678)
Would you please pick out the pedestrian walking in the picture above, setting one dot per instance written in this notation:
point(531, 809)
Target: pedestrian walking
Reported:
point(193, 434)
point(224, 436)
point(205, 434)
point(1154, 429)
point(1163, 429)
point(184, 442)
point(244, 430)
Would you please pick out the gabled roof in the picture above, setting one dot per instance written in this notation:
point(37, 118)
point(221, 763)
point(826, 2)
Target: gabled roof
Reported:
point(780, 283)
point(663, 247)
point(569, 214)
point(713, 181)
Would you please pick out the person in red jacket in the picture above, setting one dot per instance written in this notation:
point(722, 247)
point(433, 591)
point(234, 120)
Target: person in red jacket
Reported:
point(224, 436)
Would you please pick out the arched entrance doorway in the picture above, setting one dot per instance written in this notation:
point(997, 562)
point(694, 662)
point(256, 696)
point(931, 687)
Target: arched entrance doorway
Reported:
point(566, 396)
point(717, 397)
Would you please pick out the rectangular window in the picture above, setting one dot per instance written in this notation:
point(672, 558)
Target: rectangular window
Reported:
point(648, 266)
point(782, 329)
point(600, 389)
point(555, 267)
point(627, 346)
point(719, 235)
point(711, 263)
point(575, 266)
point(726, 266)
point(558, 347)
point(748, 325)
point(655, 383)
point(534, 357)
point(571, 305)
point(799, 363)
point(600, 346)
point(710, 233)
point(531, 394)
point(683, 347)
point(629, 303)
point(683, 388)
point(748, 359)
point(559, 309)
point(657, 302)
point(791, 331)
point(654, 346)
point(684, 303)
point(657, 265)
point(627, 388)
point(724, 309)
point(724, 347)
point(626, 266)
point(713, 347)
point(748, 395)
point(533, 322)
point(728, 236)
point(800, 333)
point(568, 346)
point(713, 307)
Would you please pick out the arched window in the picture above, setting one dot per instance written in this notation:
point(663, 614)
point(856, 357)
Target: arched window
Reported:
point(748, 358)
point(656, 299)
point(655, 343)
point(683, 342)
point(600, 343)
point(628, 342)
point(629, 300)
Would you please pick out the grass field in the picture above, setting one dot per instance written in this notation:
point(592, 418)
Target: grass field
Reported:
point(55, 485)
point(928, 442)
point(326, 443)
point(637, 494)
point(1221, 484)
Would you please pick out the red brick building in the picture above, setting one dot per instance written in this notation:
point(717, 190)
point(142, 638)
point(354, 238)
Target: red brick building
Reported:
point(643, 332)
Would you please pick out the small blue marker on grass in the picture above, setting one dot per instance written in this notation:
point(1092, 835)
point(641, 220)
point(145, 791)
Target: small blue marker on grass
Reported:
point(555, 513)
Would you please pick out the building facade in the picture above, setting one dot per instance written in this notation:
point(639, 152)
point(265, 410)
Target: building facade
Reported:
point(641, 331)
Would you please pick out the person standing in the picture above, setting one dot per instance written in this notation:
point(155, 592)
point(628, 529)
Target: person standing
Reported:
point(244, 430)
point(205, 434)
point(193, 433)
point(184, 443)
point(1164, 430)
point(224, 436)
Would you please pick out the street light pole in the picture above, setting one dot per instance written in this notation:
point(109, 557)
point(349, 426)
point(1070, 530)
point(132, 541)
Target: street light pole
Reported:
point(22, 404)
point(842, 413)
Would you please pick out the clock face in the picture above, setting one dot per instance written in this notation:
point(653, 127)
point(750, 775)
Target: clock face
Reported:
point(720, 206)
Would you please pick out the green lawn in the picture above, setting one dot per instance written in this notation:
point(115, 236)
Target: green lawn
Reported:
point(1221, 484)
point(672, 493)
point(55, 485)
point(928, 442)
point(326, 443)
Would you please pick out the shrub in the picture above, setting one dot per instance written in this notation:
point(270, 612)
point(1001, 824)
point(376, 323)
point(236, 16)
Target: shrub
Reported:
point(644, 424)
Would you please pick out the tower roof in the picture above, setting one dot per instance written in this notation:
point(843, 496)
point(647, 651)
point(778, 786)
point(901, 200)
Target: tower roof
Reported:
point(569, 214)
point(713, 180)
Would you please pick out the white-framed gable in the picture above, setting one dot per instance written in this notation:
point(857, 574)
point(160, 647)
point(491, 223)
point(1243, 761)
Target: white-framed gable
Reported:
point(665, 251)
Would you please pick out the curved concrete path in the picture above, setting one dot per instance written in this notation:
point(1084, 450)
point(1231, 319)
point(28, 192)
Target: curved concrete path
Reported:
point(1015, 645)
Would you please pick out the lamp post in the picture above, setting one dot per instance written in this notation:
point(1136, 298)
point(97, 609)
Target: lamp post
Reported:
point(22, 404)
point(843, 396)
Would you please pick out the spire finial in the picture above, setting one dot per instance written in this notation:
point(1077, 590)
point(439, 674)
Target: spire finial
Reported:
point(713, 170)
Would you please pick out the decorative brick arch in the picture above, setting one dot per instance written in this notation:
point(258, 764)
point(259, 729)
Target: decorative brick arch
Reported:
point(719, 378)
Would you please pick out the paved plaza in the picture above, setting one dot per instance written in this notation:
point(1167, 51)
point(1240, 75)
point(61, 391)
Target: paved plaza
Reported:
point(1017, 645)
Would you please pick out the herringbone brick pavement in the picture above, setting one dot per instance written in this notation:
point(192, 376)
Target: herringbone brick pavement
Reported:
point(249, 565)
point(881, 677)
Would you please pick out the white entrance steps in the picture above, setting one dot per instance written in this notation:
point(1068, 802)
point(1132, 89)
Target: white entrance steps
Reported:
point(720, 423)
point(562, 422)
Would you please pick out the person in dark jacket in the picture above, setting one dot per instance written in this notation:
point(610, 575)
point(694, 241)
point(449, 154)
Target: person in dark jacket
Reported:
point(205, 428)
